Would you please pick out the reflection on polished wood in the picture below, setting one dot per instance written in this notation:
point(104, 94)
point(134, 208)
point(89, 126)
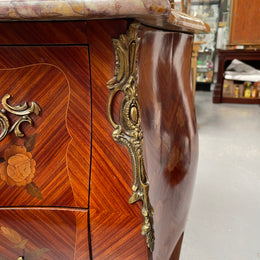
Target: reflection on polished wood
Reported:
point(44, 205)
point(115, 224)
point(43, 234)
point(62, 159)
point(80, 183)
point(169, 130)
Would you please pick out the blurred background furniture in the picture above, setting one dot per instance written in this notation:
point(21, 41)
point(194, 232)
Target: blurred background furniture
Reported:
point(195, 50)
point(245, 24)
point(251, 57)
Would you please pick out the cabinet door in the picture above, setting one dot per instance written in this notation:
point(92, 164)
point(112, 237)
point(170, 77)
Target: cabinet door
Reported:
point(49, 166)
point(43, 234)
point(245, 23)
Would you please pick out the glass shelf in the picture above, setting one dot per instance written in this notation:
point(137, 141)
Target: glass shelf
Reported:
point(208, 11)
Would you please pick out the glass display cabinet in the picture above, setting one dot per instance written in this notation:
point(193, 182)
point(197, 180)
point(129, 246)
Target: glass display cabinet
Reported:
point(208, 10)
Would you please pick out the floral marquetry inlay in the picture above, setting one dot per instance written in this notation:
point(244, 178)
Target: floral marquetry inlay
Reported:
point(17, 167)
point(18, 241)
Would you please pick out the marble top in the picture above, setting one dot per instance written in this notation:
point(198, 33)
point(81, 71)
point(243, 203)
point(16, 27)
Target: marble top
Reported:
point(156, 13)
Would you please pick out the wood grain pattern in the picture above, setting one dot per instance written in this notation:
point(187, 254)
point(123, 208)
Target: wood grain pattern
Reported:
point(82, 251)
point(58, 234)
point(115, 224)
point(57, 78)
point(170, 131)
point(74, 139)
point(244, 28)
point(28, 33)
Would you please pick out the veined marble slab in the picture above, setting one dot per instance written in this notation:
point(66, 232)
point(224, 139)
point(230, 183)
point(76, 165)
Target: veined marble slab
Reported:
point(156, 13)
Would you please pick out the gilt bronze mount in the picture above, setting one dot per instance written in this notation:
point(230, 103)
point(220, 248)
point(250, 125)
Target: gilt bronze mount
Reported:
point(21, 110)
point(128, 131)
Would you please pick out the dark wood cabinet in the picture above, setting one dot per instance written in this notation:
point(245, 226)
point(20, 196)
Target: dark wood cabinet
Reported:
point(245, 23)
point(65, 186)
point(251, 57)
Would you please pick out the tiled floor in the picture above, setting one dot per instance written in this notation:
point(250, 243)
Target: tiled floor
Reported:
point(224, 218)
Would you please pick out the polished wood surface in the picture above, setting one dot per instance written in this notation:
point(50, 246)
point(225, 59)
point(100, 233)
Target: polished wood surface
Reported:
point(40, 62)
point(32, 33)
point(84, 177)
point(115, 224)
point(170, 132)
point(59, 84)
point(43, 234)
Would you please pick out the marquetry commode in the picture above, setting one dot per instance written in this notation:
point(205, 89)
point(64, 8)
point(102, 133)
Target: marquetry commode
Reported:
point(98, 146)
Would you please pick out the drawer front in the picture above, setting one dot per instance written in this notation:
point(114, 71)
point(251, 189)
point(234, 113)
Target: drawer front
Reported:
point(49, 166)
point(43, 234)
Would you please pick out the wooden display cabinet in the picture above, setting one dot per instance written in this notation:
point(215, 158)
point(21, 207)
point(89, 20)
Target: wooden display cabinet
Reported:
point(251, 57)
point(245, 23)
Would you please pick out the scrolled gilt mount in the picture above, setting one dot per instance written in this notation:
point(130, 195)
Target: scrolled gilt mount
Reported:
point(128, 132)
point(21, 110)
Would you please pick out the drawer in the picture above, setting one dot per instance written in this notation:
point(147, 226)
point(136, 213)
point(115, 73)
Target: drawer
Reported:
point(44, 234)
point(49, 166)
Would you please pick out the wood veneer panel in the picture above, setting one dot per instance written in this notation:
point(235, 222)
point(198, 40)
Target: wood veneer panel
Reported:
point(169, 130)
point(54, 234)
point(57, 78)
point(245, 22)
point(43, 33)
point(115, 224)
